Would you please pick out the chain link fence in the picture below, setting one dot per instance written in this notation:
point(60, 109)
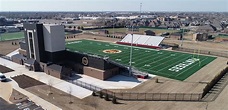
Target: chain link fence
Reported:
point(86, 85)
point(202, 52)
point(155, 96)
point(140, 96)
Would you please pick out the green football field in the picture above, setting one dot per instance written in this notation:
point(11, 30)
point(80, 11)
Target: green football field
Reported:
point(11, 36)
point(174, 65)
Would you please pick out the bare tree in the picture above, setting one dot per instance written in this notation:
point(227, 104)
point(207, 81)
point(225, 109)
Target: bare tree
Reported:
point(70, 90)
point(93, 104)
point(156, 80)
point(50, 84)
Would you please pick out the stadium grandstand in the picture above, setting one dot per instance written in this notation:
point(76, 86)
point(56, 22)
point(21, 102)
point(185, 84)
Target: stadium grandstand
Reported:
point(142, 40)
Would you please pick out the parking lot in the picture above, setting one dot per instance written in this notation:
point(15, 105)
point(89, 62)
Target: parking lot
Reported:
point(6, 106)
point(28, 105)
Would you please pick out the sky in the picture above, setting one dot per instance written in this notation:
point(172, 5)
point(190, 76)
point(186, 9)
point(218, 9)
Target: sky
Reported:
point(115, 5)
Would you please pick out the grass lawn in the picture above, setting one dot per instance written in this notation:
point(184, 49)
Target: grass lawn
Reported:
point(223, 36)
point(17, 35)
point(11, 36)
point(174, 65)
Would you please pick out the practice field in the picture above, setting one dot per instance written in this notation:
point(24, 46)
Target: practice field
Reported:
point(168, 64)
point(17, 35)
point(11, 36)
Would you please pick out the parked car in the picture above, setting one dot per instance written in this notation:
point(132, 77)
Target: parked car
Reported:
point(2, 77)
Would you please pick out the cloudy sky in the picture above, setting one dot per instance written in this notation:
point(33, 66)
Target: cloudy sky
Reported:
point(114, 5)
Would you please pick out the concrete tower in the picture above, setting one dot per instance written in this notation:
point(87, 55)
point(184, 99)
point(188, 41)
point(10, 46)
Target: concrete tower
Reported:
point(46, 43)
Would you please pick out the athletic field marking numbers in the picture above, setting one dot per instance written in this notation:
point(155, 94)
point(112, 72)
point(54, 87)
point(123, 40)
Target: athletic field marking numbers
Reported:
point(74, 42)
point(183, 65)
point(146, 65)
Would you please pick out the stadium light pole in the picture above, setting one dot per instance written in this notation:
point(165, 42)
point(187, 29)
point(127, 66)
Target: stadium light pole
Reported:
point(130, 69)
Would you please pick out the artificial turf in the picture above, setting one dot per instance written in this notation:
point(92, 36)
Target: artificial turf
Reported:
point(157, 62)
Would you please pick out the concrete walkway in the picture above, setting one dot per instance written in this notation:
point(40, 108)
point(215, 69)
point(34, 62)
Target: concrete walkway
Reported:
point(13, 53)
point(5, 91)
point(116, 82)
point(47, 79)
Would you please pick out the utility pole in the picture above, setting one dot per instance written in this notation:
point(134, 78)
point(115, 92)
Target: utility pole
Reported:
point(113, 27)
point(182, 37)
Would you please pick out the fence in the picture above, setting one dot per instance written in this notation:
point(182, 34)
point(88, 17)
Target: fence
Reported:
point(154, 96)
point(86, 85)
point(202, 52)
point(141, 96)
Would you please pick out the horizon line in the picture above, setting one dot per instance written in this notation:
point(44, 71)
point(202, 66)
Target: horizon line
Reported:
point(120, 11)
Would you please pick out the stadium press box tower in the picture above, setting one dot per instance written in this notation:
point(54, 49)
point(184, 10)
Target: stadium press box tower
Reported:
point(45, 48)
point(45, 42)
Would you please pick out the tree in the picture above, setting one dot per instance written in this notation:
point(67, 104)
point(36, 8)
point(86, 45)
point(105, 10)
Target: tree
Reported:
point(50, 84)
point(106, 97)
point(93, 104)
point(82, 27)
point(70, 94)
point(114, 100)
point(156, 80)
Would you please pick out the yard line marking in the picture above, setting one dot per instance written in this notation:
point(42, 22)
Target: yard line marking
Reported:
point(156, 56)
point(134, 47)
point(135, 55)
point(168, 60)
point(187, 57)
point(161, 59)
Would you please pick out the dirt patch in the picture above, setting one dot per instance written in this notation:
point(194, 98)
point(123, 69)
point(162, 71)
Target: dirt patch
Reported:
point(6, 47)
point(204, 45)
point(59, 98)
point(26, 81)
point(4, 69)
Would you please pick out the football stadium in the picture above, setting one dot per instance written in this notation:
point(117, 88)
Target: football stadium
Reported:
point(137, 67)
point(170, 64)
point(134, 55)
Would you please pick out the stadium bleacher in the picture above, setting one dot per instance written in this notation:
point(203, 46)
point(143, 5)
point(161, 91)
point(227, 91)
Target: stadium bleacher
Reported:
point(142, 40)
